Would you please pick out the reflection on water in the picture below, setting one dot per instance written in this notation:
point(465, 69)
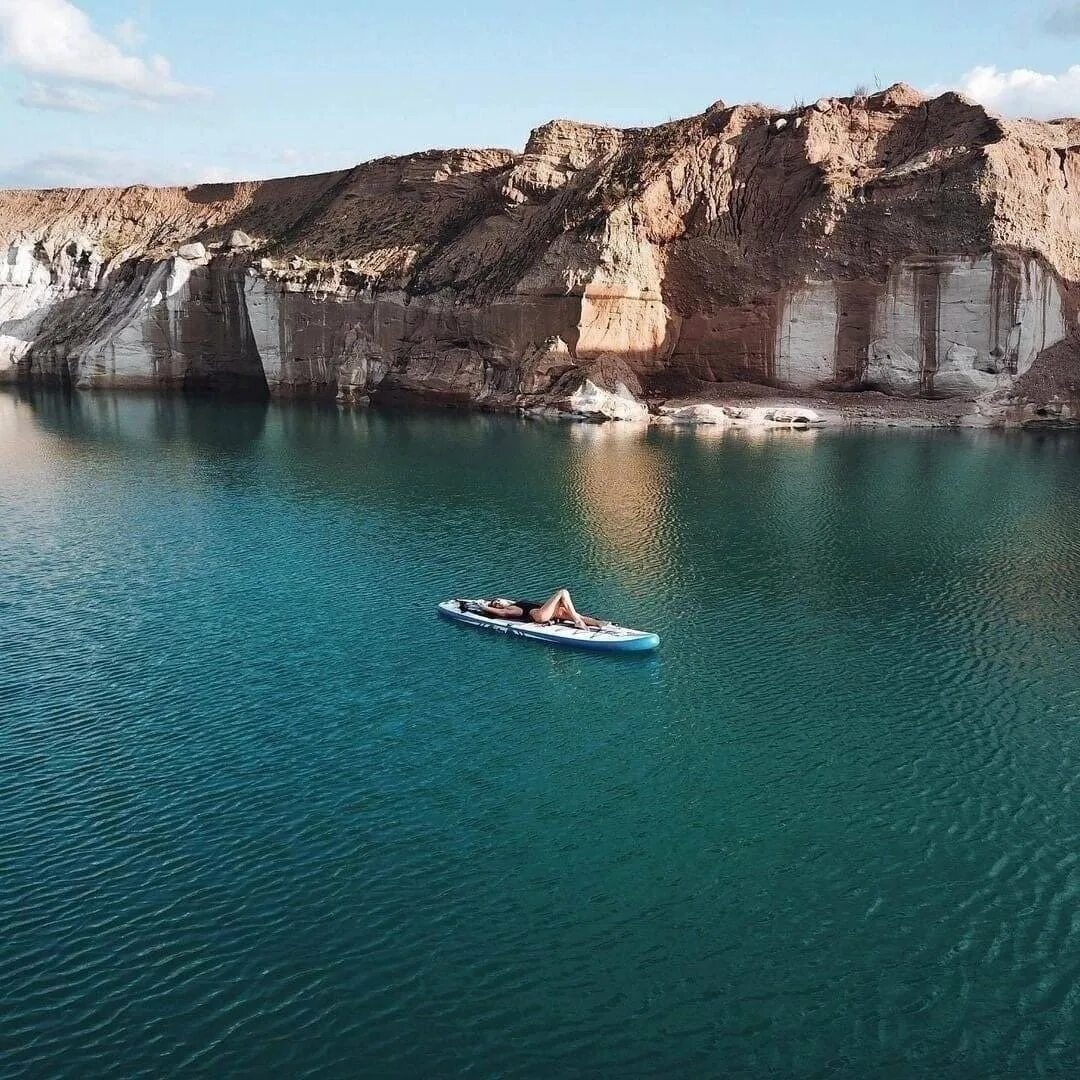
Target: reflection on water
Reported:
point(618, 480)
point(751, 433)
point(261, 813)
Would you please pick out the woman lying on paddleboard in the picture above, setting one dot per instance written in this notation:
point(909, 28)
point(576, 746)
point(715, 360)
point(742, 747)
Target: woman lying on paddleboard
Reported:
point(558, 607)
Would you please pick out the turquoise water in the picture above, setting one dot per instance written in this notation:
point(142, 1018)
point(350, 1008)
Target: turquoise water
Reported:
point(262, 814)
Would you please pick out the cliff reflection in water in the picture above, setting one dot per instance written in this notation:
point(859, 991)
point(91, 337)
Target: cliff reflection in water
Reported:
point(618, 483)
point(142, 419)
point(773, 517)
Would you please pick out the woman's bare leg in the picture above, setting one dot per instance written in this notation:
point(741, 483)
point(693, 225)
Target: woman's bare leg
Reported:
point(588, 620)
point(579, 620)
point(549, 609)
point(560, 607)
point(571, 613)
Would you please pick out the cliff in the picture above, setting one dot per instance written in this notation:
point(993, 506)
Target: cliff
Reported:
point(919, 247)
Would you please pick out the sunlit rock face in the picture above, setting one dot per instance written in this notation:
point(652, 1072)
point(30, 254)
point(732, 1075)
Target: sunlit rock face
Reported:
point(937, 327)
point(953, 327)
point(917, 247)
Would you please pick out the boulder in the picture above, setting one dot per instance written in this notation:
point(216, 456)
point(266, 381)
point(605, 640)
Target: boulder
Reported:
point(891, 369)
point(604, 389)
point(962, 373)
point(1050, 413)
point(192, 252)
point(898, 96)
point(792, 415)
point(592, 402)
point(694, 414)
point(238, 240)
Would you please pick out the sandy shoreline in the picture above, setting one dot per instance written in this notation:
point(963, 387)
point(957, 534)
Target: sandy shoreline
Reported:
point(869, 408)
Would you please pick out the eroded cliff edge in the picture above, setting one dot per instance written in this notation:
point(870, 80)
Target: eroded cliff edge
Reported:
point(918, 247)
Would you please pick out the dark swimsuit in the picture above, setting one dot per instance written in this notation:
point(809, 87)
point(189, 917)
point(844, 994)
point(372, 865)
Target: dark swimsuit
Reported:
point(526, 606)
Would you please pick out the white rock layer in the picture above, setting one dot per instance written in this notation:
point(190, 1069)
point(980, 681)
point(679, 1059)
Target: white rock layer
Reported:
point(939, 327)
point(954, 326)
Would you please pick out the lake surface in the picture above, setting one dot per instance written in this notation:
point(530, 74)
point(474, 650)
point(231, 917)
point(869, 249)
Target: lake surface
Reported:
point(262, 814)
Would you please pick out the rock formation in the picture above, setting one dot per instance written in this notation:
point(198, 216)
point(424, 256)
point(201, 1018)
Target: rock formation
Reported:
point(918, 247)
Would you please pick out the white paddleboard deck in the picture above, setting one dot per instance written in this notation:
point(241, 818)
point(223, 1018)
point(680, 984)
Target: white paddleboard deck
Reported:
point(607, 638)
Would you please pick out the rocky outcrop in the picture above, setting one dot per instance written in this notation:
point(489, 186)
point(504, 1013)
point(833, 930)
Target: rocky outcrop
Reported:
point(920, 248)
point(716, 415)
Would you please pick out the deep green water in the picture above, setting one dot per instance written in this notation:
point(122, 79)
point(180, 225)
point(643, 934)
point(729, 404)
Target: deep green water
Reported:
point(262, 814)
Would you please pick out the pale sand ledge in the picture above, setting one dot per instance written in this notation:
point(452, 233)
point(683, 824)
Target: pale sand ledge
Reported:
point(868, 408)
point(787, 412)
point(864, 411)
point(752, 405)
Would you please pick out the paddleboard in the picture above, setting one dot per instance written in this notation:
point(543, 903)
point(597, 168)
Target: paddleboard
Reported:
point(607, 638)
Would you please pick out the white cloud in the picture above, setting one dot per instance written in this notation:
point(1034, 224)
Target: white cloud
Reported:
point(58, 98)
point(1022, 92)
point(82, 168)
point(128, 34)
point(54, 40)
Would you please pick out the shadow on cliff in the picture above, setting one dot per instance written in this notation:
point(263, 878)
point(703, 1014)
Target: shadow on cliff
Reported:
point(210, 350)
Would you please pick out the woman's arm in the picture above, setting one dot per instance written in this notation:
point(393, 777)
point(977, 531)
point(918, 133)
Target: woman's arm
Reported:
point(512, 611)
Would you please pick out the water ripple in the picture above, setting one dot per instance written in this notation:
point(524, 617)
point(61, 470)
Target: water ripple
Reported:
point(262, 813)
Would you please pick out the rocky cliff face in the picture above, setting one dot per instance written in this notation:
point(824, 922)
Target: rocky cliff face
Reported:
point(922, 248)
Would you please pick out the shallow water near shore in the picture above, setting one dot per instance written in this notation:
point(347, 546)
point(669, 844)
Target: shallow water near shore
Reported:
point(260, 811)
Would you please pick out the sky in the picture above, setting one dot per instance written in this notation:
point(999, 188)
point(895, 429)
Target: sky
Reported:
point(145, 91)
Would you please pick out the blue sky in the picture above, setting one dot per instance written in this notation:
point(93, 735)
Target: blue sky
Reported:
point(125, 91)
